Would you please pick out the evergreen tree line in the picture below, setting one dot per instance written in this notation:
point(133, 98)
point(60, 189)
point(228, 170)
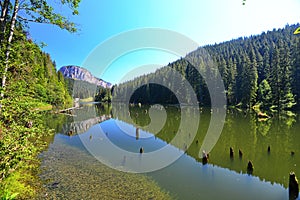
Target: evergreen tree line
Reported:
point(259, 70)
point(32, 74)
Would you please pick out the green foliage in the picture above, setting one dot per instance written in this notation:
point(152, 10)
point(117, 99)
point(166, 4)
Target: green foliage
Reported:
point(42, 11)
point(22, 132)
point(103, 94)
point(81, 89)
point(297, 31)
point(33, 73)
point(296, 70)
point(32, 82)
point(14, 186)
point(262, 69)
point(265, 95)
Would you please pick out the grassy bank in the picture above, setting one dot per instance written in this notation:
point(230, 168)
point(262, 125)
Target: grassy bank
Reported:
point(90, 99)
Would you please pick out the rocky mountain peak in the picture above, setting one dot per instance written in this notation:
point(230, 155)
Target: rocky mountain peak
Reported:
point(79, 73)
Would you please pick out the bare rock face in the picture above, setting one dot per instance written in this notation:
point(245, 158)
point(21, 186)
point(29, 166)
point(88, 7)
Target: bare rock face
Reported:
point(79, 73)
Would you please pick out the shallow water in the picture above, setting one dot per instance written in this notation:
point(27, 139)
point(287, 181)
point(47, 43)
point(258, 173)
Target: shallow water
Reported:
point(100, 129)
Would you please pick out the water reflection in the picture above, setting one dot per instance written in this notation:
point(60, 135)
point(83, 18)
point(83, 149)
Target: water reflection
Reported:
point(243, 131)
point(271, 146)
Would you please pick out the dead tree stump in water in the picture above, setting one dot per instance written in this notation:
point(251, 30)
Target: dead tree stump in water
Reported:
point(250, 167)
point(231, 152)
point(205, 157)
point(293, 186)
point(141, 150)
point(240, 153)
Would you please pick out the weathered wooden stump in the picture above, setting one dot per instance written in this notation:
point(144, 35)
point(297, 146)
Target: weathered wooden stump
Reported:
point(205, 157)
point(231, 152)
point(70, 133)
point(141, 150)
point(240, 153)
point(293, 186)
point(250, 167)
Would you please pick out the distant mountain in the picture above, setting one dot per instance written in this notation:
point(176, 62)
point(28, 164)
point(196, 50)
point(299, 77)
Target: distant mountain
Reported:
point(79, 73)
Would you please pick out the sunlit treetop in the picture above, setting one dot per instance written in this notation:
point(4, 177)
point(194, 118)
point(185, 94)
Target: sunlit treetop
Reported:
point(40, 11)
point(297, 31)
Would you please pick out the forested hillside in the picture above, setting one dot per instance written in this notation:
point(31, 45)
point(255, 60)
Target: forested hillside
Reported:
point(30, 84)
point(32, 74)
point(259, 70)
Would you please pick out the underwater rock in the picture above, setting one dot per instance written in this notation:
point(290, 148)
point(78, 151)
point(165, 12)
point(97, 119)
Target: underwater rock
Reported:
point(54, 185)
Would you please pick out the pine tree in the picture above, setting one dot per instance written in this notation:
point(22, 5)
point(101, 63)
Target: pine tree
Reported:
point(253, 77)
point(274, 77)
point(231, 82)
point(287, 100)
point(296, 70)
point(264, 95)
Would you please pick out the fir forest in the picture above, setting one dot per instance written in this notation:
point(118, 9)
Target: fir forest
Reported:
point(56, 121)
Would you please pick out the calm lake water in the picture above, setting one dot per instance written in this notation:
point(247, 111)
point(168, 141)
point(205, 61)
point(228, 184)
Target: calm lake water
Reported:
point(100, 134)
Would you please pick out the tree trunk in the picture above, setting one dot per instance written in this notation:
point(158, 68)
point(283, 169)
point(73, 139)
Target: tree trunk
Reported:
point(3, 19)
point(10, 37)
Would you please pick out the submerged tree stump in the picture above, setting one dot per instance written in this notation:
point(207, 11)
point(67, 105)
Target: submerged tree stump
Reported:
point(205, 157)
point(250, 167)
point(240, 153)
point(293, 186)
point(231, 152)
point(141, 150)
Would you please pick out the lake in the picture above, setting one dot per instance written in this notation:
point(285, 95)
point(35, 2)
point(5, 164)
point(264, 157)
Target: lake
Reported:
point(95, 154)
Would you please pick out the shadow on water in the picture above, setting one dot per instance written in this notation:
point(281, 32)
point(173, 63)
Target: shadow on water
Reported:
point(187, 178)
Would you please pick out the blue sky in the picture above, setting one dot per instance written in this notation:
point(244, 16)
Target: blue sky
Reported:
point(205, 22)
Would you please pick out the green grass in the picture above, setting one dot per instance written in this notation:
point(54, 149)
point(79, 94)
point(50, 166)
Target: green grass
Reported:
point(90, 99)
point(43, 106)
